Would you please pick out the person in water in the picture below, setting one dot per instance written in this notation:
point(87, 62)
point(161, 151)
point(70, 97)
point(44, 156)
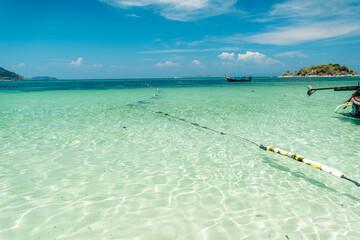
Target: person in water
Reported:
point(354, 101)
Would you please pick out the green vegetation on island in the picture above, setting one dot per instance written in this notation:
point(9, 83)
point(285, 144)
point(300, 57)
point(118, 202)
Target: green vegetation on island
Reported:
point(6, 75)
point(330, 70)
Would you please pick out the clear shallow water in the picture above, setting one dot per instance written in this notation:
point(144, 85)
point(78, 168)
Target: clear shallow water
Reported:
point(89, 161)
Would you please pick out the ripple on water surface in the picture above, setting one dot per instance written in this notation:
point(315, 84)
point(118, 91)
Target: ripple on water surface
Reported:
point(99, 164)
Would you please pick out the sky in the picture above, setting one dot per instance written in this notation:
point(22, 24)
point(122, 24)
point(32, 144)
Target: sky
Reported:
point(112, 39)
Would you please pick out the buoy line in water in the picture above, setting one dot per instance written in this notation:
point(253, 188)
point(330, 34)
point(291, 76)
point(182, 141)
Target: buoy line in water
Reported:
point(298, 158)
point(147, 99)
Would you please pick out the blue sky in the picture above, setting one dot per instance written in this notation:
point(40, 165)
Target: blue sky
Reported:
point(176, 38)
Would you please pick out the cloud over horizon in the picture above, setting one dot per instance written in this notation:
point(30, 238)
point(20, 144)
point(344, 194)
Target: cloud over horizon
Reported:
point(19, 65)
point(78, 62)
point(226, 55)
point(299, 21)
point(291, 54)
point(167, 64)
point(196, 62)
point(179, 10)
point(255, 57)
point(299, 34)
point(249, 56)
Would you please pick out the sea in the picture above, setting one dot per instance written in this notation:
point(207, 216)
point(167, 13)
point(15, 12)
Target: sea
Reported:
point(159, 159)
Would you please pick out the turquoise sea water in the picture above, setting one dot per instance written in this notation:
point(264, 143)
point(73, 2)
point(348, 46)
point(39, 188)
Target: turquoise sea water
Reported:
point(92, 159)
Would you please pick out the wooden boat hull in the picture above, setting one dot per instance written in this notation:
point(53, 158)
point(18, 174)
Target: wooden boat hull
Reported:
point(355, 113)
point(356, 106)
point(238, 80)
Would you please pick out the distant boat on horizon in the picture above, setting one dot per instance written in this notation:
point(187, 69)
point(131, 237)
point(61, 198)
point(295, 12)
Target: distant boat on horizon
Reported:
point(243, 79)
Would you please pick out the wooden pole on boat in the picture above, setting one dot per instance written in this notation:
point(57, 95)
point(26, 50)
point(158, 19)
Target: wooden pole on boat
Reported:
point(351, 98)
point(347, 88)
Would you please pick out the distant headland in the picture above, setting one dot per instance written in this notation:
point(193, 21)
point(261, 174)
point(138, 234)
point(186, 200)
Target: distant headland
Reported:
point(330, 70)
point(6, 75)
point(44, 78)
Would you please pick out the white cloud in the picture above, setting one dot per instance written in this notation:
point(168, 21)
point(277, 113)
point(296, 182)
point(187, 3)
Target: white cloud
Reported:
point(300, 34)
point(319, 9)
point(97, 65)
point(190, 50)
point(180, 42)
point(196, 62)
point(180, 10)
point(291, 54)
point(302, 21)
point(230, 49)
point(248, 57)
point(167, 64)
point(133, 15)
point(226, 55)
point(78, 62)
point(179, 51)
point(255, 57)
point(251, 56)
point(20, 65)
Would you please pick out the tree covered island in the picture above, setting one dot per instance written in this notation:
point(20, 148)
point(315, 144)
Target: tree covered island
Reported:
point(330, 70)
point(6, 75)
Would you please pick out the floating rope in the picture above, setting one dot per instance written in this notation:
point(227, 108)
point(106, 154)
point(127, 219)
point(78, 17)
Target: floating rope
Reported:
point(309, 162)
point(157, 93)
point(299, 158)
point(210, 129)
point(148, 99)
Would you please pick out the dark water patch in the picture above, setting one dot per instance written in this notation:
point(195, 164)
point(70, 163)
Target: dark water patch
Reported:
point(300, 175)
point(282, 168)
point(160, 83)
point(349, 119)
point(66, 85)
point(100, 84)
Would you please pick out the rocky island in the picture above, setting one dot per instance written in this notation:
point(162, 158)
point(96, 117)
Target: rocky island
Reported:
point(6, 75)
point(330, 70)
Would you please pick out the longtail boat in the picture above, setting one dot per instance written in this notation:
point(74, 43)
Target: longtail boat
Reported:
point(237, 79)
point(353, 101)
